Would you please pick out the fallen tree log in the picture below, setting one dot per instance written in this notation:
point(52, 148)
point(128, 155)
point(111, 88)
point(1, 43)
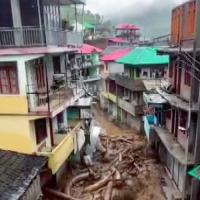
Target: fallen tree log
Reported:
point(59, 195)
point(108, 192)
point(100, 183)
point(77, 178)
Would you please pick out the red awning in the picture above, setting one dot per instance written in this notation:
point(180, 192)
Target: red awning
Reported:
point(127, 27)
point(116, 55)
point(89, 49)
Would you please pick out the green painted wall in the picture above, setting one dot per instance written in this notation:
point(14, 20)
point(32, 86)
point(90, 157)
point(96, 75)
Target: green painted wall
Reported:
point(72, 114)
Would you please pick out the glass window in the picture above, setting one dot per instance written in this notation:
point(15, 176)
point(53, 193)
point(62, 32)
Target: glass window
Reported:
point(8, 80)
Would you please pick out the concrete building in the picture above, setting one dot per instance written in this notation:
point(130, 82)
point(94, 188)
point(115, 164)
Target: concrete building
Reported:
point(35, 87)
point(87, 66)
point(177, 139)
point(127, 85)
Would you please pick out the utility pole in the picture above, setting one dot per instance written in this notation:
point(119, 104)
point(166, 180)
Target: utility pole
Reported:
point(195, 182)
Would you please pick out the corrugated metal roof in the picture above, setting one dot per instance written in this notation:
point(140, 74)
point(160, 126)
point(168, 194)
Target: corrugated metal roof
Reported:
point(144, 56)
point(17, 172)
point(115, 55)
point(35, 50)
point(89, 49)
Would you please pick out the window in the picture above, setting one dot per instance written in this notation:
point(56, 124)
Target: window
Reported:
point(106, 66)
point(183, 121)
point(145, 74)
point(8, 80)
point(40, 130)
point(187, 78)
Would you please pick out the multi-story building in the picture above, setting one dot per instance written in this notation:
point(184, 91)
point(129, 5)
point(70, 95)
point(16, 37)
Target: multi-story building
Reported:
point(176, 139)
point(87, 66)
point(123, 96)
point(128, 32)
point(35, 92)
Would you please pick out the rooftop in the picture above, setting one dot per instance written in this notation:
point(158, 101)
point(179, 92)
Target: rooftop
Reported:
point(154, 98)
point(88, 25)
point(142, 56)
point(127, 27)
point(172, 146)
point(115, 55)
point(89, 49)
point(133, 85)
point(117, 40)
point(35, 50)
point(17, 171)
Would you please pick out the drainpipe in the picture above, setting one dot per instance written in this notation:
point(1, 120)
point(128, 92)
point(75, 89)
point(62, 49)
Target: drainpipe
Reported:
point(48, 102)
point(40, 22)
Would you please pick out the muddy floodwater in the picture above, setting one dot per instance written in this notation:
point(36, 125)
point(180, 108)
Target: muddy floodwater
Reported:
point(151, 189)
point(126, 170)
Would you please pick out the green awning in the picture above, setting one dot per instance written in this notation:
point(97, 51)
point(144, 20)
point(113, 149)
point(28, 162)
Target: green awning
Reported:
point(88, 25)
point(195, 172)
point(142, 56)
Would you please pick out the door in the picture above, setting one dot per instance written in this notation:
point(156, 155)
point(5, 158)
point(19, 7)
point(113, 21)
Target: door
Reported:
point(56, 65)
point(40, 75)
point(40, 130)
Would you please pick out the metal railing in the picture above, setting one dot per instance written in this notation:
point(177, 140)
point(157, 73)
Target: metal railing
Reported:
point(36, 36)
point(43, 101)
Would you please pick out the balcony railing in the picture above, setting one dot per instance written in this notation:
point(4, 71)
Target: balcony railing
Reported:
point(35, 36)
point(62, 150)
point(46, 101)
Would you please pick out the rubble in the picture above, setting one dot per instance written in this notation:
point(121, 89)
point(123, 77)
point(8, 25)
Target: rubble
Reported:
point(121, 170)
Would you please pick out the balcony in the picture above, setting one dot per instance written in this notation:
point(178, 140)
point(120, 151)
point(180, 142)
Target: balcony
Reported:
point(88, 79)
point(109, 96)
point(53, 101)
point(130, 107)
point(64, 146)
point(172, 145)
point(37, 37)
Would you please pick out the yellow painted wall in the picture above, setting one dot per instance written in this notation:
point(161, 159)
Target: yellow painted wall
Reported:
point(62, 151)
point(15, 134)
point(13, 105)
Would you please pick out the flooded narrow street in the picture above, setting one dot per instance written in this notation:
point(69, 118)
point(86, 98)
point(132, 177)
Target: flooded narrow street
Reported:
point(107, 124)
point(150, 185)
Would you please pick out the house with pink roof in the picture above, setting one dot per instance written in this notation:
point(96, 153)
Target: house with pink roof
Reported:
point(110, 66)
point(87, 66)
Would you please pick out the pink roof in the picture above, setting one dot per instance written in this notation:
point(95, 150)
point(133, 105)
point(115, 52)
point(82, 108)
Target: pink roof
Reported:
point(115, 55)
point(35, 50)
point(89, 49)
point(117, 40)
point(127, 27)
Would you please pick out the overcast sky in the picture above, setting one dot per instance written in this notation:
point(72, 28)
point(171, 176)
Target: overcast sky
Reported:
point(153, 16)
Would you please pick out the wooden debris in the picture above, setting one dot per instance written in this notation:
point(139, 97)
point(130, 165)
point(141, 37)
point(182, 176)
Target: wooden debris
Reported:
point(100, 183)
point(108, 192)
point(125, 161)
point(59, 195)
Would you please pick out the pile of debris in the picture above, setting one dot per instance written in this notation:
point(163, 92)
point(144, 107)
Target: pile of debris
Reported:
point(120, 172)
